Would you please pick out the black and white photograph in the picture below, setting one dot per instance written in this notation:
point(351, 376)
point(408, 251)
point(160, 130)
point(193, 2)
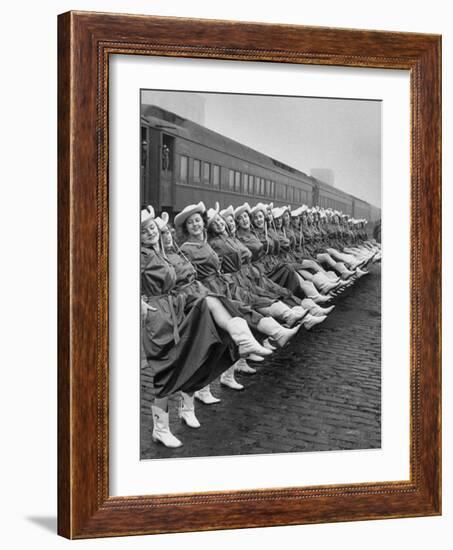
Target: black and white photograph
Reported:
point(260, 266)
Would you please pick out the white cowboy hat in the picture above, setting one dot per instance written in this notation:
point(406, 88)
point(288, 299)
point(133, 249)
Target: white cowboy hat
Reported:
point(162, 221)
point(278, 212)
point(146, 215)
point(260, 206)
point(296, 212)
point(227, 212)
point(243, 208)
point(212, 213)
point(190, 209)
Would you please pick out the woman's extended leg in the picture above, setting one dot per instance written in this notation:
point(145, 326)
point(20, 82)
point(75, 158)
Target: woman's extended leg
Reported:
point(237, 328)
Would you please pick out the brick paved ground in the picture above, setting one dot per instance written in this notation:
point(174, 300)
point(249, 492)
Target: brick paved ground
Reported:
point(322, 392)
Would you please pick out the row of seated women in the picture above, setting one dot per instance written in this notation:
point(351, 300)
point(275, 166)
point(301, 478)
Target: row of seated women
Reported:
point(224, 288)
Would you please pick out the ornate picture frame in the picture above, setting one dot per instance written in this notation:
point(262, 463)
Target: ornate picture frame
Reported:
point(86, 41)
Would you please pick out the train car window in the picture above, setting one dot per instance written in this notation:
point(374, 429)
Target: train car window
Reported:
point(216, 176)
point(196, 171)
point(251, 184)
point(237, 182)
point(183, 168)
point(206, 173)
point(231, 180)
point(245, 184)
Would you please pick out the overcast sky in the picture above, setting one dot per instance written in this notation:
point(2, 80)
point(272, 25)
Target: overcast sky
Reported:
point(338, 134)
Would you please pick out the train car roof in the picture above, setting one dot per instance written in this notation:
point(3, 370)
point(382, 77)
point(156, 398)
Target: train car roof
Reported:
point(179, 126)
point(334, 190)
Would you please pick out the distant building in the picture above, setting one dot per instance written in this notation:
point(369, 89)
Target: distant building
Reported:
point(324, 174)
point(186, 105)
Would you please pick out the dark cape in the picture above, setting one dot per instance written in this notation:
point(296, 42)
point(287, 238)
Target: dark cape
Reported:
point(184, 348)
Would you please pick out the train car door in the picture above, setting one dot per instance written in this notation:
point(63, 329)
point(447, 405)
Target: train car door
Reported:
point(167, 158)
point(150, 166)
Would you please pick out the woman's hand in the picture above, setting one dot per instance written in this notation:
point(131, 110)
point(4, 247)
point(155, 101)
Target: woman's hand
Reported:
point(145, 307)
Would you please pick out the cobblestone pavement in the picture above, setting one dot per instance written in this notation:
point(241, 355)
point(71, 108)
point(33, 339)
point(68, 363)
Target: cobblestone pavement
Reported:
point(322, 392)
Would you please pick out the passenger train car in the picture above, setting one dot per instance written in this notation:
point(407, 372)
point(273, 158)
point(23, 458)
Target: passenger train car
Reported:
point(183, 163)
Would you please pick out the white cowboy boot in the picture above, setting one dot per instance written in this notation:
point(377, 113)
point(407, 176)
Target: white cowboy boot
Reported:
point(243, 366)
point(321, 299)
point(268, 345)
point(256, 358)
point(308, 287)
point(300, 312)
point(239, 331)
point(161, 429)
point(361, 273)
point(280, 334)
point(310, 320)
point(227, 379)
point(346, 273)
point(332, 276)
point(309, 304)
point(290, 316)
point(186, 410)
point(205, 396)
point(323, 283)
